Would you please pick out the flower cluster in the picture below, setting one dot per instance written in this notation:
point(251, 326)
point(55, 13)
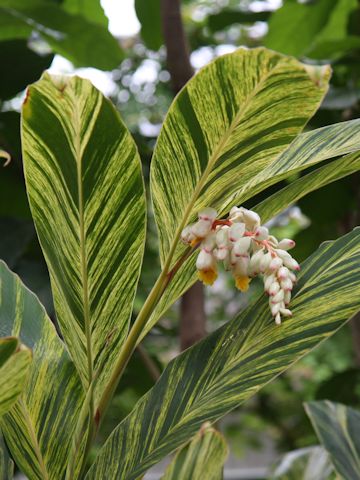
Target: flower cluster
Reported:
point(245, 248)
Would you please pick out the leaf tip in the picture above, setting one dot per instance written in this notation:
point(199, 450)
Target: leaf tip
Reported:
point(319, 74)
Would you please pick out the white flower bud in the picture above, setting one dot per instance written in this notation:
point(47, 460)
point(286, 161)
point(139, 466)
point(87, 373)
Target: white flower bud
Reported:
point(236, 215)
point(279, 297)
point(286, 244)
point(221, 254)
point(273, 241)
point(268, 281)
point(265, 262)
point(208, 214)
point(278, 319)
point(240, 268)
point(242, 246)
point(292, 263)
point(275, 264)
point(222, 237)
point(275, 308)
point(251, 219)
point(292, 277)
point(209, 242)
point(261, 233)
point(274, 288)
point(254, 266)
point(286, 284)
point(286, 312)
point(201, 228)
point(186, 235)
point(283, 273)
point(236, 231)
point(287, 297)
point(205, 260)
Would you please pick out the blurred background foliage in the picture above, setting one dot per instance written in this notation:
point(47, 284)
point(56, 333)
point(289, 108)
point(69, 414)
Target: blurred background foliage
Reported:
point(65, 35)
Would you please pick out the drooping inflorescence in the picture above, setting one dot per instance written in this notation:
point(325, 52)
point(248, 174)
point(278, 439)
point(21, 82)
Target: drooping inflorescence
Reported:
point(245, 248)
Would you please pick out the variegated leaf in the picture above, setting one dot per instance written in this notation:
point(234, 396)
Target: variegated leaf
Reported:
point(338, 429)
point(312, 463)
point(318, 178)
point(203, 458)
point(14, 365)
point(6, 464)
point(86, 194)
point(230, 365)
point(234, 118)
point(39, 428)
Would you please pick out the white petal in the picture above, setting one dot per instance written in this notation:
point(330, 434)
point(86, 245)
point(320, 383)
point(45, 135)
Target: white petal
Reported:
point(201, 228)
point(242, 246)
point(292, 263)
point(208, 214)
point(286, 284)
point(265, 262)
point(275, 264)
point(204, 260)
point(274, 288)
point(236, 231)
point(252, 219)
point(283, 273)
point(222, 237)
point(268, 281)
point(261, 233)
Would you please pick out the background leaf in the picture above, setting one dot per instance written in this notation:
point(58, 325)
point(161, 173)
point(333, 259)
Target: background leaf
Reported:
point(233, 363)
point(39, 428)
point(14, 366)
point(203, 457)
point(148, 13)
point(338, 427)
point(85, 42)
point(84, 182)
point(304, 464)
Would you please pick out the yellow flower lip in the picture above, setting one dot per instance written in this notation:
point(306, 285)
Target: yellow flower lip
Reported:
point(242, 283)
point(208, 277)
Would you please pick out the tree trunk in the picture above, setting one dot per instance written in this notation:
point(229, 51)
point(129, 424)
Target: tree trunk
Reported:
point(192, 312)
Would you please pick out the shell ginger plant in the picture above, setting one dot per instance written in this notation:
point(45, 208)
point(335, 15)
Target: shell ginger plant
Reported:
point(231, 133)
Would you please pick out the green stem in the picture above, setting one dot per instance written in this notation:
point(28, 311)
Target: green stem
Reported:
point(131, 342)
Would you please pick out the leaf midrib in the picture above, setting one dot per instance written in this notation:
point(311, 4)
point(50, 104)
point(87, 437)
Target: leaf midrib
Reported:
point(83, 254)
point(34, 439)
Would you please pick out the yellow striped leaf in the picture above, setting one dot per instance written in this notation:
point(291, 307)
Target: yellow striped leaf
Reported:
point(307, 150)
point(312, 463)
point(318, 178)
point(39, 427)
point(233, 363)
point(6, 464)
point(235, 117)
point(338, 429)
point(86, 194)
point(203, 458)
point(14, 366)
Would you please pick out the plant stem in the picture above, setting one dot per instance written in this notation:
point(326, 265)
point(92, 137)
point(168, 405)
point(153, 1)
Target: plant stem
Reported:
point(131, 342)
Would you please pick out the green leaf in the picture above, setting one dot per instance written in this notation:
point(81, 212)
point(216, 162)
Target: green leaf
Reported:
point(314, 180)
point(232, 119)
point(148, 13)
point(227, 17)
point(83, 42)
point(6, 464)
point(203, 457)
point(294, 27)
point(306, 151)
point(14, 366)
point(23, 66)
point(304, 464)
point(335, 32)
point(233, 363)
point(92, 11)
point(86, 194)
point(338, 429)
point(39, 428)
